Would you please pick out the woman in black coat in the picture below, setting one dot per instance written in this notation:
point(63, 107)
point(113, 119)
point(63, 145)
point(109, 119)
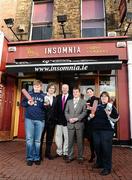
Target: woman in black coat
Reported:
point(50, 123)
point(103, 129)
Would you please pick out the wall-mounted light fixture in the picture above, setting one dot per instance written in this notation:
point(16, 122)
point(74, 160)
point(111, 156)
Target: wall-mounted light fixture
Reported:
point(10, 23)
point(62, 19)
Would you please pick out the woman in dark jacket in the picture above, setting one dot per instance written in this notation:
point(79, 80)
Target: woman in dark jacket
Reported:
point(103, 129)
point(89, 121)
point(50, 105)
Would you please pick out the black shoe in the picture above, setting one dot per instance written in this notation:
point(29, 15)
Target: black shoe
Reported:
point(49, 157)
point(105, 172)
point(69, 160)
point(57, 156)
point(80, 161)
point(37, 162)
point(29, 163)
point(65, 157)
point(92, 158)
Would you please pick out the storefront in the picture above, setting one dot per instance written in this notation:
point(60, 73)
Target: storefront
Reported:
point(98, 63)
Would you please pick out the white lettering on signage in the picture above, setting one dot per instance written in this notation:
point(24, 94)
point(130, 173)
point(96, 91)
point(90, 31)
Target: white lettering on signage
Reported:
point(62, 68)
point(63, 50)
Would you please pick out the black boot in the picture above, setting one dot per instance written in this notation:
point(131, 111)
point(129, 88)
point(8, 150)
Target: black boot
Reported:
point(92, 158)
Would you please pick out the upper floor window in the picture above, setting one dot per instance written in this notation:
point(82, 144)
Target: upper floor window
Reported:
point(93, 18)
point(42, 20)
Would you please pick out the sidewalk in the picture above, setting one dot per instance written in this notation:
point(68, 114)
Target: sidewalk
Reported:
point(13, 166)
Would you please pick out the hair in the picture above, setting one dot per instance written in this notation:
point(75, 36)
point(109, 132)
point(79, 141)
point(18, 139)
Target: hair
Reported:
point(49, 85)
point(106, 94)
point(89, 88)
point(37, 82)
point(77, 88)
point(65, 85)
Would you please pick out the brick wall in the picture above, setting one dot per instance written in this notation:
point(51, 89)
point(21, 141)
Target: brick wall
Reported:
point(7, 10)
point(113, 18)
point(23, 17)
point(112, 15)
point(71, 8)
point(21, 11)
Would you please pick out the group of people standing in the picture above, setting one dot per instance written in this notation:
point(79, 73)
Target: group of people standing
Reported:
point(65, 117)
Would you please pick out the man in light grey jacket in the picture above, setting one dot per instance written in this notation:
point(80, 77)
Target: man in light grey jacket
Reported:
point(75, 112)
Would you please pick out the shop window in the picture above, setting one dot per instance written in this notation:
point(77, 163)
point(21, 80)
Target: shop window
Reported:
point(110, 72)
point(42, 21)
point(108, 83)
point(93, 24)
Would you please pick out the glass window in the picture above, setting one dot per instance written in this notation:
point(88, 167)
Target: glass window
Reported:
point(84, 84)
point(42, 21)
point(108, 83)
point(92, 18)
point(41, 32)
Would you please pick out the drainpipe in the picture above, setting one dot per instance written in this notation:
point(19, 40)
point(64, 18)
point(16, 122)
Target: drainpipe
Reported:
point(129, 50)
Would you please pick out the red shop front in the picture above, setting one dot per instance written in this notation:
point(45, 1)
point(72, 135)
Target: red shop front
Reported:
point(98, 63)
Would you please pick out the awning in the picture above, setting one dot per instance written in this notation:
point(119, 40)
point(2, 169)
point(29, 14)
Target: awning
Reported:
point(65, 65)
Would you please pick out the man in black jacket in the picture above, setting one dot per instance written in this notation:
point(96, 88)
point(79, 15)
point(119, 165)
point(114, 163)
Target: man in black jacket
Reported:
point(61, 136)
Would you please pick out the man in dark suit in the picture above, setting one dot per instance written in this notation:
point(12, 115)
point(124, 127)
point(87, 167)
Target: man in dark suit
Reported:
point(61, 136)
point(75, 112)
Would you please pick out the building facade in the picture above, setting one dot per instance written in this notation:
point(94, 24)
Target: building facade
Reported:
point(64, 42)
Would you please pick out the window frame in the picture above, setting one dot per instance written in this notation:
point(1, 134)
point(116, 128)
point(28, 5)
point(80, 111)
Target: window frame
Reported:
point(94, 20)
point(38, 24)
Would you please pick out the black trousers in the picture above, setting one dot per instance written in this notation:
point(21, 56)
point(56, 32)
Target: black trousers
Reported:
point(103, 148)
point(91, 142)
point(49, 131)
point(88, 133)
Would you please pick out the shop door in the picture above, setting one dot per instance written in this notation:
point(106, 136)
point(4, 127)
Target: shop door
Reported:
point(6, 107)
point(28, 85)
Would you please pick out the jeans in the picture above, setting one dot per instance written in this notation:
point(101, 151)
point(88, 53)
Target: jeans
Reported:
point(34, 129)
